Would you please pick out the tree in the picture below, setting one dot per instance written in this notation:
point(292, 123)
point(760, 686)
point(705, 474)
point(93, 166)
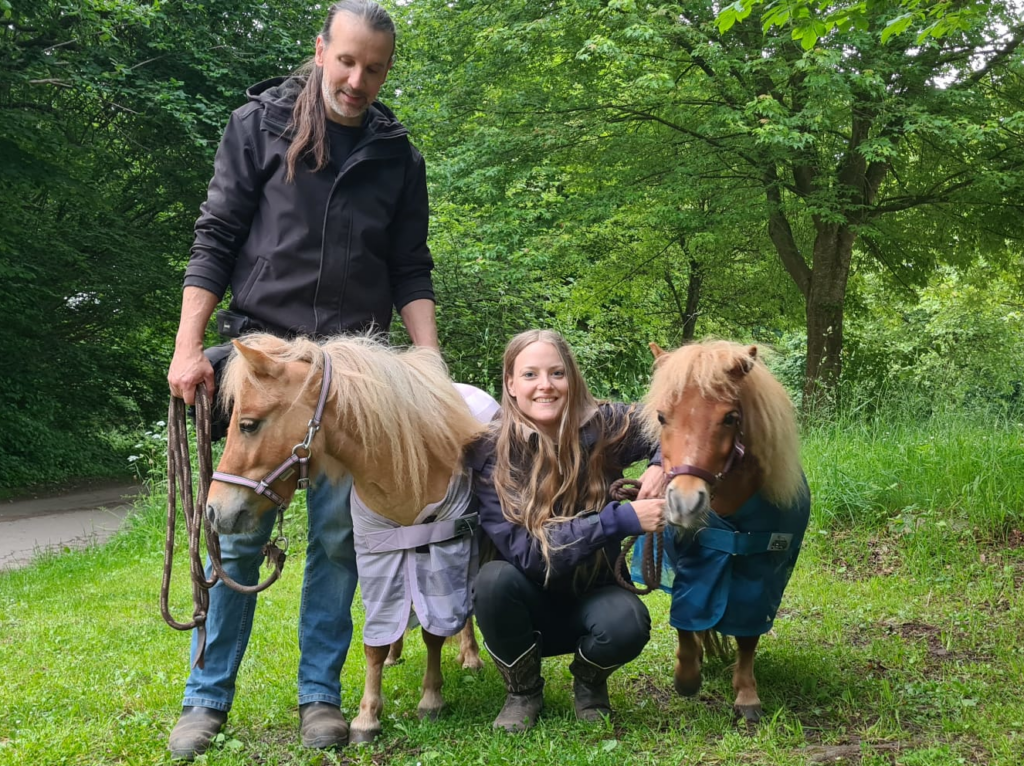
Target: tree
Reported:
point(844, 143)
point(109, 116)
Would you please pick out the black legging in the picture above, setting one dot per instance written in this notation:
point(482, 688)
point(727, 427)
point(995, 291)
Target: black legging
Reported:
point(609, 625)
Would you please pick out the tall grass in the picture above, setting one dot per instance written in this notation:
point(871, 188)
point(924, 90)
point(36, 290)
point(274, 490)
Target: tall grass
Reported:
point(897, 470)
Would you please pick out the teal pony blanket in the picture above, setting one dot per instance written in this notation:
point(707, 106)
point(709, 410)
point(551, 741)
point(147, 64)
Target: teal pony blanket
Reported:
point(730, 575)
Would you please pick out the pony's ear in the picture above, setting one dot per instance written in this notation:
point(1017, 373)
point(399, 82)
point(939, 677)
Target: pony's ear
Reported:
point(745, 363)
point(660, 354)
point(260, 363)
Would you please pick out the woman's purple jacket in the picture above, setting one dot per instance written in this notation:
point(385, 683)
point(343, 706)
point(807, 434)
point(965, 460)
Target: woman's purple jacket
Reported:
point(573, 542)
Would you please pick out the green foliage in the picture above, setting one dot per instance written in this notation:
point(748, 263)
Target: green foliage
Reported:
point(955, 345)
point(109, 115)
point(640, 151)
point(621, 171)
point(814, 19)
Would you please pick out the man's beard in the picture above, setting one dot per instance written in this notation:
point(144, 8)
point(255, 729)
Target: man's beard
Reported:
point(348, 112)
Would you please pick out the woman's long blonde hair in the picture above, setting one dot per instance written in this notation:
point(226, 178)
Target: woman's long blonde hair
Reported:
point(542, 481)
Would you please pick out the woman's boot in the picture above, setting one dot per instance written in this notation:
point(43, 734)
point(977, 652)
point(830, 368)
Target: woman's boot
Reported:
point(525, 689)
point(590, 688)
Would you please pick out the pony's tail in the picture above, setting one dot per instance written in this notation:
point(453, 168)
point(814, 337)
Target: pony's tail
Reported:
point(716, 645)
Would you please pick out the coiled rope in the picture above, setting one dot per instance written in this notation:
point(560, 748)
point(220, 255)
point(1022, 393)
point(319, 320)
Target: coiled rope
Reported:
point(179, 484)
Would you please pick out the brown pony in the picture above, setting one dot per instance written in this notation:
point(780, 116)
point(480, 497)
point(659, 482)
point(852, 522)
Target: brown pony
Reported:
point(737, 503)
point(391, 419)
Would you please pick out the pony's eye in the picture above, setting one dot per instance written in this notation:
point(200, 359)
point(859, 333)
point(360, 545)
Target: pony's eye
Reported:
point(248, 426)
point(731, 418)
point(661, 418)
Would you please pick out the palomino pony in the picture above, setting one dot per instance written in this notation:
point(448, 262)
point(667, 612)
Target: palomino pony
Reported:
point(392, 420)
point(737, 503)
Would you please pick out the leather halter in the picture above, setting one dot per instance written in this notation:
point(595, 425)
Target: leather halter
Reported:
point(300, 452)
point(734, 459)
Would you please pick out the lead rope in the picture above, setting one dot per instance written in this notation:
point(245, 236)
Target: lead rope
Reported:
point(650, 565)
point(179, 482)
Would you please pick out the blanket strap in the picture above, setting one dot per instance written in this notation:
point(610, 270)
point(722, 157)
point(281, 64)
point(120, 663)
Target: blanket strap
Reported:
point(744, 543)
point(416, 535)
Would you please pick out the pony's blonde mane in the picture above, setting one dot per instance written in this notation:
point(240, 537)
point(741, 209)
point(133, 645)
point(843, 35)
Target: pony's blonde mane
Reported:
point(770, 431)
point(399, 405)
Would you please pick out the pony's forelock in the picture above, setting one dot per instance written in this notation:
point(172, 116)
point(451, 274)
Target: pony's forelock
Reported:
point(770, 429)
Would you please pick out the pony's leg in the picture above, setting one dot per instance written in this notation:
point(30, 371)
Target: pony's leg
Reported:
point(689, 655)
point(366, 725)
point(748, 704)
point(469, 650)
point(395, 652)
point(432, 701)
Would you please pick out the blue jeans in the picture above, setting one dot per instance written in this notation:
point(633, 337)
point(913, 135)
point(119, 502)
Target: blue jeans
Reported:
point(325, 617)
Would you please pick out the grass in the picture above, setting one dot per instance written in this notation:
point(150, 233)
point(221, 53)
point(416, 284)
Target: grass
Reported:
point(898, 643)
point(956, 467)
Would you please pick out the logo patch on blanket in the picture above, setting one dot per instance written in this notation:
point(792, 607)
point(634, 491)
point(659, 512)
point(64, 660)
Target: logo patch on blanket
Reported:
point(730, 576)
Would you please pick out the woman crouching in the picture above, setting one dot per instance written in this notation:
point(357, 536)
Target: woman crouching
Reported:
point(542, 480)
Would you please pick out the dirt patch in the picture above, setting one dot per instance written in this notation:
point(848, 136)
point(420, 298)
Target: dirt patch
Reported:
point(937, 644)
point(644, 687)
point(1014, 540)
point(918, 631)
point(850, 753)
point(881, 557)
point(852, 750)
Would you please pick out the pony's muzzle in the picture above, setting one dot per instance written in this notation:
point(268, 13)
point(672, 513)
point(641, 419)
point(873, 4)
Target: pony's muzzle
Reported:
point(687, 504)
point(235, 521)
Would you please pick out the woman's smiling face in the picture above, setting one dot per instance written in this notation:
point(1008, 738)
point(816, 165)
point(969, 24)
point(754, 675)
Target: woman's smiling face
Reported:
point(539, 386)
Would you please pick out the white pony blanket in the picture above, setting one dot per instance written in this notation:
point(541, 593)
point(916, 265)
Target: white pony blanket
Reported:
point(424, 571)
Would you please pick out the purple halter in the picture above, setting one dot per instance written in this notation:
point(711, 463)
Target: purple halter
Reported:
point(300, 452)
point(734, 459)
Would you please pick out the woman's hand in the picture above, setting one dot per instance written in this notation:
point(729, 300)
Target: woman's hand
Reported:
point(653, 483)
point(651, 514)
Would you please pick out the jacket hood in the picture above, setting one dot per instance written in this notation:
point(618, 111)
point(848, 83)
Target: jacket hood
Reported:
point(278, 96)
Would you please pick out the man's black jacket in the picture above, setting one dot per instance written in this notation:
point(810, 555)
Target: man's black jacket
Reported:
point(328, 252)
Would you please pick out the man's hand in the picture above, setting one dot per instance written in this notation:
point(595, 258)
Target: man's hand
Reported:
point(653, 483)
point(188, 369)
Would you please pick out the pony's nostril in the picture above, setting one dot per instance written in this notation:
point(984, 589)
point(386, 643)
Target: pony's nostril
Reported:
point(211, 514)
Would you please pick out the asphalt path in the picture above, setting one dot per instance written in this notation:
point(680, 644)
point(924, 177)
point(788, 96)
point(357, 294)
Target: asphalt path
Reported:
point(73, 520)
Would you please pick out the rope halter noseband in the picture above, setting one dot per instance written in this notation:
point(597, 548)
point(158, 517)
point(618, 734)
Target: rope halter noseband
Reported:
point(300, 452)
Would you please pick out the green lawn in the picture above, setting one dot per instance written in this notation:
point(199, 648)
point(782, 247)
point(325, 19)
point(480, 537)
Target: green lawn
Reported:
point(899, 642)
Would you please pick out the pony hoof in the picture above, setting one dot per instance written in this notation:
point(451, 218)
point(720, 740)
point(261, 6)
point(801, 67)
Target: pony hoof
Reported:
point(390, 663)
point(751, 714)
point(429, 714)
point(363, 736)
point(472, 663)
point(688, 688)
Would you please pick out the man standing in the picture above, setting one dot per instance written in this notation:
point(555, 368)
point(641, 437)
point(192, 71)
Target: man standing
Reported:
point(316, 217)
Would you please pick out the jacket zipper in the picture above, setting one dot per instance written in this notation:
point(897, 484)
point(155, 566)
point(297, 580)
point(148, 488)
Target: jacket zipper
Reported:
point(323, 229)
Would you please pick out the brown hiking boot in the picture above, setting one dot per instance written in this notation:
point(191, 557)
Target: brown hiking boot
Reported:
point(590, 689)
point(525, 689)
point(194, 732)
point(322, 726)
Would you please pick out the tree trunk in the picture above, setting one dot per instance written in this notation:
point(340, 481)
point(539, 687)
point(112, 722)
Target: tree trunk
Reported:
point(825, 299)
point(689, 311)
point(692, 300)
